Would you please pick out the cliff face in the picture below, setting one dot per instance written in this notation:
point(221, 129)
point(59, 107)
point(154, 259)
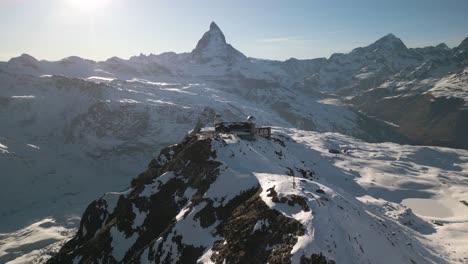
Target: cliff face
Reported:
point(224, 200)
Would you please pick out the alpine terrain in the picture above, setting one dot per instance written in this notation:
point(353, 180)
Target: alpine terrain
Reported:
point(367, 161)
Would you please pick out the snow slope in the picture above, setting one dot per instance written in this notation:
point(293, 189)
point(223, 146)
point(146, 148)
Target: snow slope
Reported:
point(60, 134)
point(220, 195)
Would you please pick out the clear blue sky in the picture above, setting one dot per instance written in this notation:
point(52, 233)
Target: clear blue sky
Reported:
point(271, 29)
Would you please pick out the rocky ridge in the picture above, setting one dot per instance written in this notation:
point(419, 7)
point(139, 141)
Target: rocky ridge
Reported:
point(225, 200)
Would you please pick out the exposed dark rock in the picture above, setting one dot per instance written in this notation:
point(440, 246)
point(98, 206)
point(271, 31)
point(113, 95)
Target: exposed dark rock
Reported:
point(334, 151)
point(316, 259)
point(242, 245)
point(93, 238)
point(290, 200)
point(320, 191)
point(296, 199)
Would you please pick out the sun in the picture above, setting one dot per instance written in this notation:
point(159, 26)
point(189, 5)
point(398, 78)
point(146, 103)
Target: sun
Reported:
point(89, 5)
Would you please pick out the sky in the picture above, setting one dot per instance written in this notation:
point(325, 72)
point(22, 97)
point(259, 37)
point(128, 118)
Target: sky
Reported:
point(268, 29)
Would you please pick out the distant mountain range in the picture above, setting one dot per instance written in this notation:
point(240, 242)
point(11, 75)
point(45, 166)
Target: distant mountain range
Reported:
point(420, 90)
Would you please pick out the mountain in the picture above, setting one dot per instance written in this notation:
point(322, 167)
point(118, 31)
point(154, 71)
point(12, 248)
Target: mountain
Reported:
point(71, 139)
point(72, 122)
point(461, 53)
point(281, 200)
point(212, 46)
point(422, 91)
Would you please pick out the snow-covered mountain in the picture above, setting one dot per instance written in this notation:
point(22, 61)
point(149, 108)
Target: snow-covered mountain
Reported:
point(75, 128)
point(423, 90)
point(379, 82)
point(281, 200)
point(213, 48)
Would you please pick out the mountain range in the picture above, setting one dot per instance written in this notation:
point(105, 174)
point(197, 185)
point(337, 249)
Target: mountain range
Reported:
point(75, 128)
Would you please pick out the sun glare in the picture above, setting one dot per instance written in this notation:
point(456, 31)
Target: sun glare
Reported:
point(89, 5)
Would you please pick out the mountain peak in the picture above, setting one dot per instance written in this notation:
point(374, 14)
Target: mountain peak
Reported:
point(391, 39)
point(214, 36)
point(24, 57)
point(443, 46)
point(25, 60)
point(464, 44)
point(388, 43)
point(213, 45)
point(213, 26)
point(390, 36)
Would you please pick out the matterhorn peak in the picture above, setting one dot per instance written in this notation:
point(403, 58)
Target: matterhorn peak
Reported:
point(213, 26)
point(213, 37)
point(213, 45)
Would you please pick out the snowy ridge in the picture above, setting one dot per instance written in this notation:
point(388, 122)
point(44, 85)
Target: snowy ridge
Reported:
point(222, 195)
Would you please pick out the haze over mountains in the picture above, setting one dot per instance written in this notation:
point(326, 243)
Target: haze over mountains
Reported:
point(75, 128)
